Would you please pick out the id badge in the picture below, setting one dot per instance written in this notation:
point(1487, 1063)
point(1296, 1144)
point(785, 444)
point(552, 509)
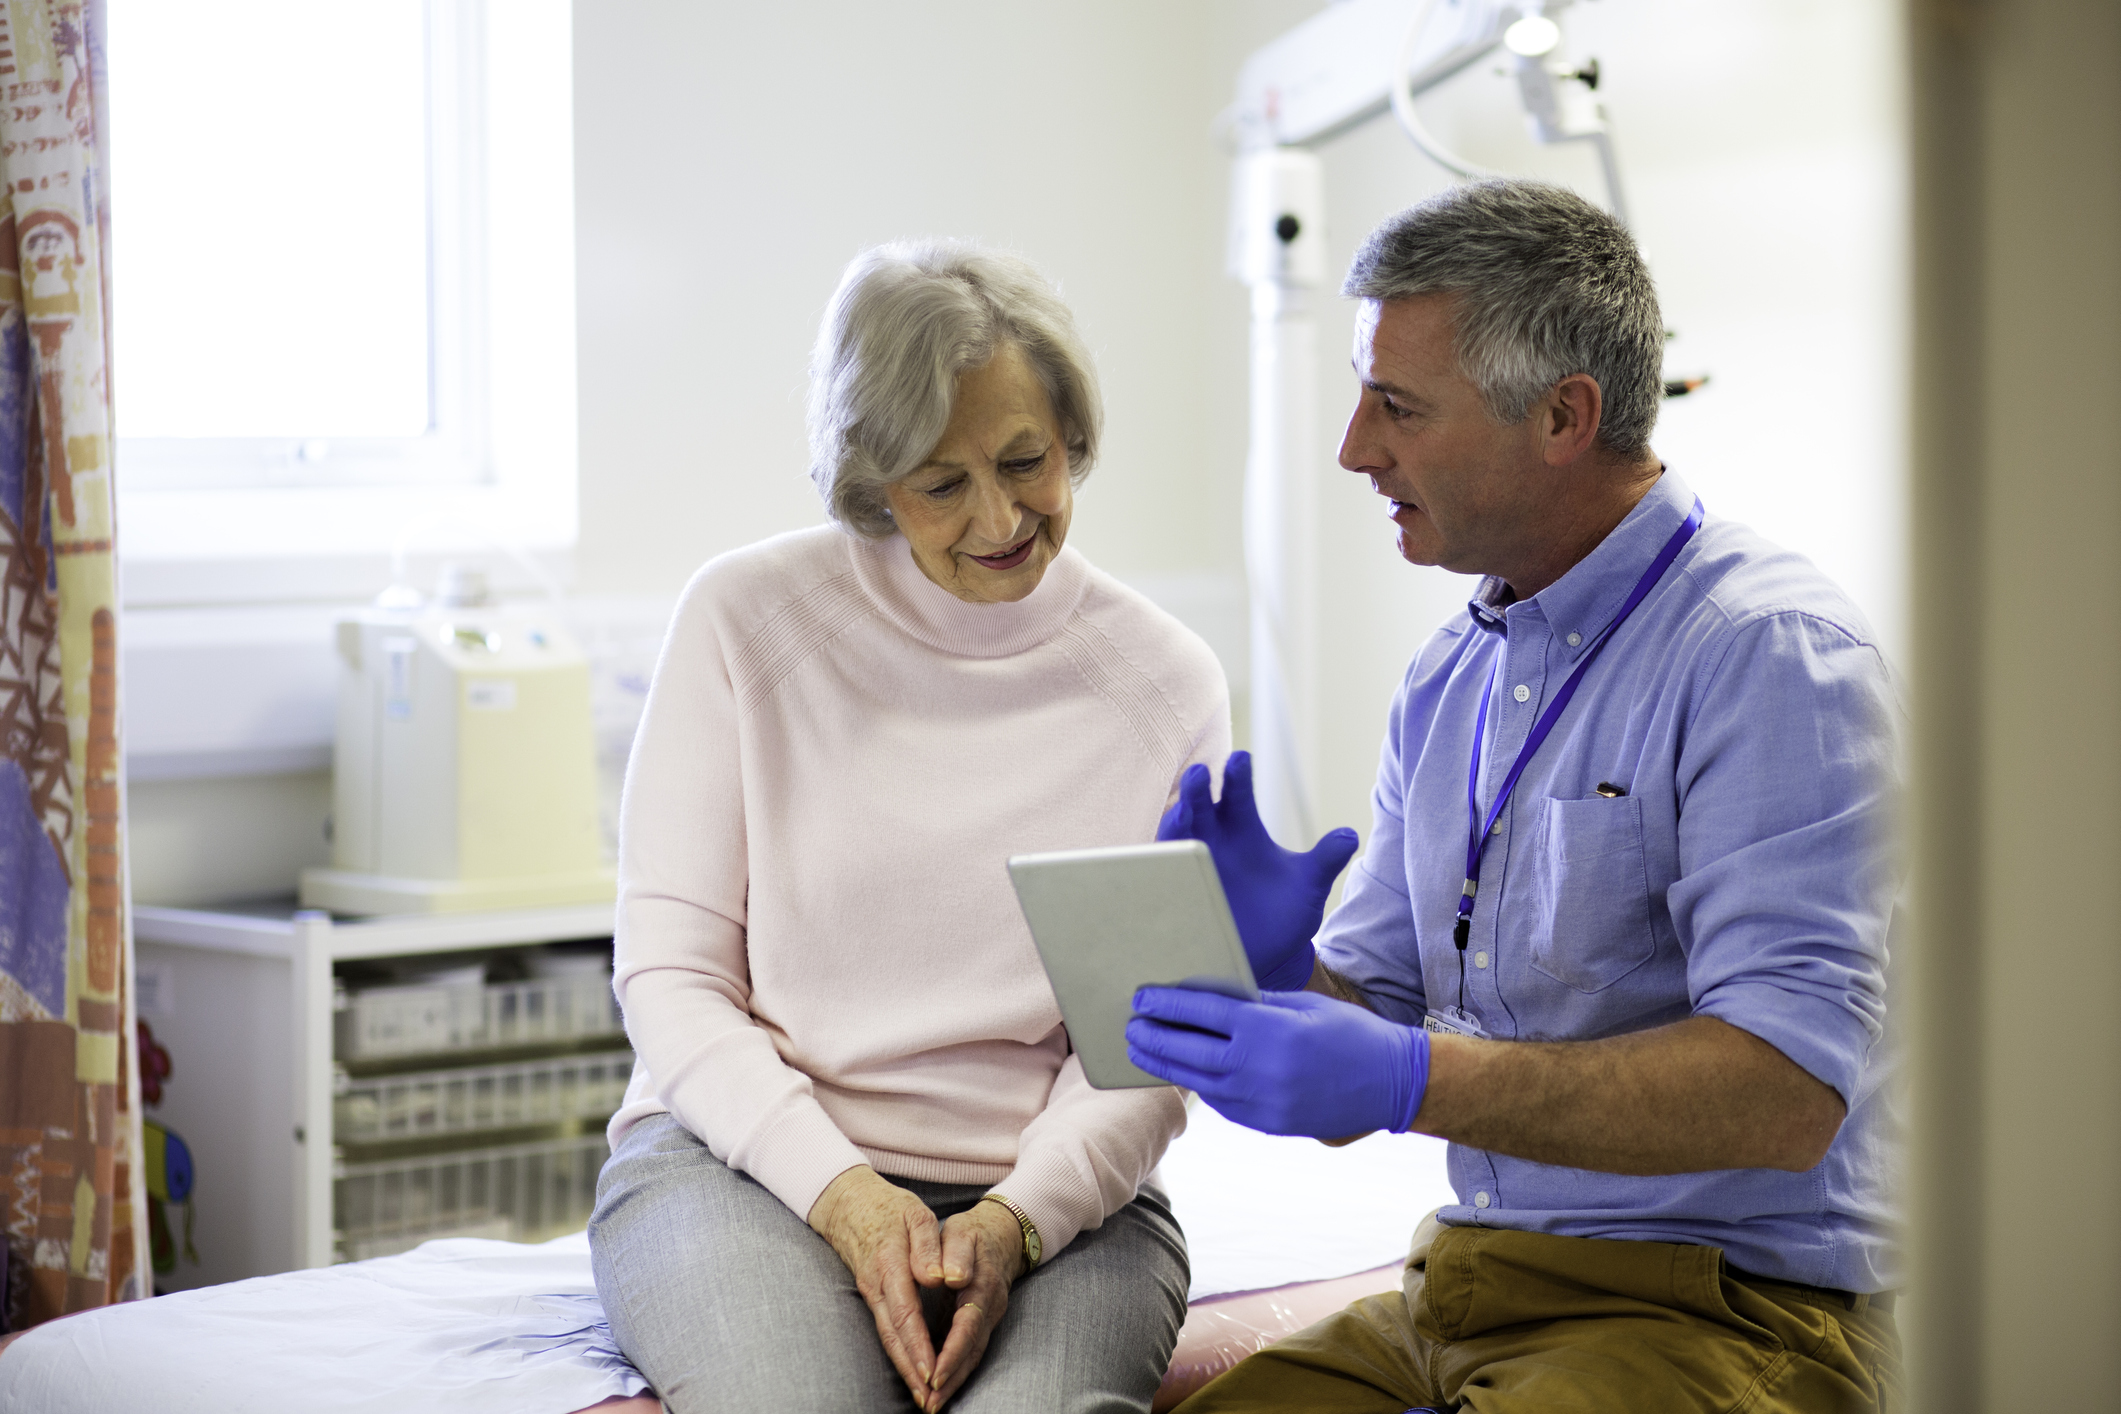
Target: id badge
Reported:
point(1451, 1021)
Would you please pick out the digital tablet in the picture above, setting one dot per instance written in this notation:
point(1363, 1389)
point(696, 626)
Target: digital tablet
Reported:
point(1108, 921)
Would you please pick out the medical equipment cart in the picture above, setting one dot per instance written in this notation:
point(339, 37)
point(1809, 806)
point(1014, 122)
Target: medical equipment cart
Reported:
point(332, 1124)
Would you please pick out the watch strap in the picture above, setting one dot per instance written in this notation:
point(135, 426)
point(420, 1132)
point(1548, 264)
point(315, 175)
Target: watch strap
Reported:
point(1033, 1247)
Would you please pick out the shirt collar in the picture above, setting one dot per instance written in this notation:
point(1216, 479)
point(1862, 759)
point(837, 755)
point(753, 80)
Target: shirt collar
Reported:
point(1490, 598)
point(1585, 599)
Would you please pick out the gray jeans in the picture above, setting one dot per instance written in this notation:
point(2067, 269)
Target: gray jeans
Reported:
point(726, 1300)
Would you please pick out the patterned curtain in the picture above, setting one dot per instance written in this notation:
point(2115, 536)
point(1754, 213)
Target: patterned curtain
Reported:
point(70, 1175)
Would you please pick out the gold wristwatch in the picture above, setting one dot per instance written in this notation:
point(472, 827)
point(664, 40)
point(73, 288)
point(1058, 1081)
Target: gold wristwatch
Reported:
point(1033, 1248)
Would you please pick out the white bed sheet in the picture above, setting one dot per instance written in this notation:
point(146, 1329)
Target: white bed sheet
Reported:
point(456, 1327)
point(1261, 1211)
point(477, 1327)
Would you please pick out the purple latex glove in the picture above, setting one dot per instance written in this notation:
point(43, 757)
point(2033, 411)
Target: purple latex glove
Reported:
point(1289, 1063)
point(1277, 896)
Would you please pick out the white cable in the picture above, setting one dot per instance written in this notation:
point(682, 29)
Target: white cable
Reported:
point(1609, 163)
point(1402, 92)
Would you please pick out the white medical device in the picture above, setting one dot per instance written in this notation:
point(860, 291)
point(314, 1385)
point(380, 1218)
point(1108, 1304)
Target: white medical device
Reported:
point(1110, 921)
point(1351, 62)
point(464, 773)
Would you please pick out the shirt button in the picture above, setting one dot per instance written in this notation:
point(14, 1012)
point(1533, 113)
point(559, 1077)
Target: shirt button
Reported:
point(1496, 828)
point(1574, 639)
point(1480, 959)
point(1521, 692)
point(1480, 1199)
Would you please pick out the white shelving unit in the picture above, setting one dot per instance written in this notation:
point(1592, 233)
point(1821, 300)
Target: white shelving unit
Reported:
point(243, 999)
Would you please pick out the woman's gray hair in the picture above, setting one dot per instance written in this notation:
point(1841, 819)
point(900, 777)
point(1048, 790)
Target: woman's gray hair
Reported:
point(906, 321)
point(1547, 285)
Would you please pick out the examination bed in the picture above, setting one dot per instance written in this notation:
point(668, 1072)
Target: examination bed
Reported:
point(1282, 1232)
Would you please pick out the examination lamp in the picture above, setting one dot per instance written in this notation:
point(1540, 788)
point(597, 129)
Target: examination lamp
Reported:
point(1532, 36)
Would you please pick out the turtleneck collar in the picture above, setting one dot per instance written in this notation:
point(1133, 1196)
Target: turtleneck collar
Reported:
point(934, 616)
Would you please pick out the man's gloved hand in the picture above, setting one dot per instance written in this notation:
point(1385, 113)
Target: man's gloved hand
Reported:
point(1289, 1063)
point(1277, 896)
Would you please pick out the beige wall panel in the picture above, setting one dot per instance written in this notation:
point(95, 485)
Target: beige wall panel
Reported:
point(2017, 514)
point(2052, 694)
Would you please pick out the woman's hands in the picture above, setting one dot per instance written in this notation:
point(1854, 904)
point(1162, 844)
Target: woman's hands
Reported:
point(891, 1242)
point(888, 1239)
point(983, 1255)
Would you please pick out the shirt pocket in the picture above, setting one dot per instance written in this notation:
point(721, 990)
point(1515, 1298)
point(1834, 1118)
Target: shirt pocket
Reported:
point(1591, 893)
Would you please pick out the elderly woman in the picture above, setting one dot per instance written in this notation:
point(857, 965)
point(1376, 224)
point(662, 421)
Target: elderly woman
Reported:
point(859, 1167)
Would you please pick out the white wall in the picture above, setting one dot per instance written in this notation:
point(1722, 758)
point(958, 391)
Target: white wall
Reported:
point(1760, 143)
point(732, 158)
point(729, 159)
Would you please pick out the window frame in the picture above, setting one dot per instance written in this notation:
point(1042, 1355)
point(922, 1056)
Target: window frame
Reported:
point(246, 520)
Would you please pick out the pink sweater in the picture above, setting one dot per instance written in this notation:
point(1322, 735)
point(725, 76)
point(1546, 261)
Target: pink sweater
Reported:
point(819, 954)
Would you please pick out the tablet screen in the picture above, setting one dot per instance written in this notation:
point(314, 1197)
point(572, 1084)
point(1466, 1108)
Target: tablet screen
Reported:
point(1109, 921)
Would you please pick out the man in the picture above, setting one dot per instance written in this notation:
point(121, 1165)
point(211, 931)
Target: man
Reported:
point(1634, 968)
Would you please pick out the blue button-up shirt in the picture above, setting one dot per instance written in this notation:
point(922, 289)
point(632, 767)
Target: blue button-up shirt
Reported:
point(1746, 874)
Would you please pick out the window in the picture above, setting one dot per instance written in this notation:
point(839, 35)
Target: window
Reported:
point(342, 303)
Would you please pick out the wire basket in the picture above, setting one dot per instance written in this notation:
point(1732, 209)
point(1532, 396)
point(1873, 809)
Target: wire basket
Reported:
point(470, 1099)
point(378, 1022)
point(520, 1193)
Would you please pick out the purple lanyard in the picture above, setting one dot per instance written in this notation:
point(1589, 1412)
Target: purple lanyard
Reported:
point(1477, 842)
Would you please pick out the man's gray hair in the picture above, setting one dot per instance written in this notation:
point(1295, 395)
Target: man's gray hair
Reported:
point(906, 321)
point(1547, 285)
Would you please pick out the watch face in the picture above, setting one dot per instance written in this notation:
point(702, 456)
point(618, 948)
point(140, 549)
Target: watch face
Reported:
point(1033, 1248)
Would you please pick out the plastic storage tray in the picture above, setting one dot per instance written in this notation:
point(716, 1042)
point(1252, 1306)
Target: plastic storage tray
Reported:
point(469, 1099)
point(521, 1193)
point(379, 1022)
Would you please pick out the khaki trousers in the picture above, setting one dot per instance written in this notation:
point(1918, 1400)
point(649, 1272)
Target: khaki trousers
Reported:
point(1526, 1323)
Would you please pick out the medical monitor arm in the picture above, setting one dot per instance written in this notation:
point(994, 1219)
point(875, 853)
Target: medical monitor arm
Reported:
point(1359, 59)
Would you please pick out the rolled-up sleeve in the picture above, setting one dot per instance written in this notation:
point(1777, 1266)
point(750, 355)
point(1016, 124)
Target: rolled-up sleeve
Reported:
point(1787, 781)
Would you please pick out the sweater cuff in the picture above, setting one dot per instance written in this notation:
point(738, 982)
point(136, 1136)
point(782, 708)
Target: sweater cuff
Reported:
point(1059, 1201)
point(797, 1157)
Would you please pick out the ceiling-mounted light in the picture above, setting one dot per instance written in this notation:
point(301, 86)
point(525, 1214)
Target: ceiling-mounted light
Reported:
point(1531, 36)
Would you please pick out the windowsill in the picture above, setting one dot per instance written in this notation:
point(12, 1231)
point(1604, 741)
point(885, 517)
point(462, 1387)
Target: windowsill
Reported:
point(316, 544)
